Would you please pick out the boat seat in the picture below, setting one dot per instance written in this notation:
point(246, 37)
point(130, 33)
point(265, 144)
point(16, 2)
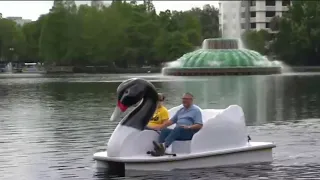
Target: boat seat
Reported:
point(184, 146)
point(206, 114)
point(226, 129)
point(180, 147)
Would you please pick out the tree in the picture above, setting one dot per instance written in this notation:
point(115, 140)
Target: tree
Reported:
point(11, 40)
point(209, 20)
point(122, 34)
point(256, 40)
point(32, 32)
point(275, 23)
point(58, 40)
point(297, 42)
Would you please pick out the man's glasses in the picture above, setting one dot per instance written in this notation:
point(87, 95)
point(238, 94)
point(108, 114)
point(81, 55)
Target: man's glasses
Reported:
point(186, 98)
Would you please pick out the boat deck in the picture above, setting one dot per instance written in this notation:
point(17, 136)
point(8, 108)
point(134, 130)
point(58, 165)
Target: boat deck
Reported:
point(252, 146)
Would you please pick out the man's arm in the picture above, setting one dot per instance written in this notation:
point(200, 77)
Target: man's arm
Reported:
point(197, 121)
point(168, 123)
point(196, 126)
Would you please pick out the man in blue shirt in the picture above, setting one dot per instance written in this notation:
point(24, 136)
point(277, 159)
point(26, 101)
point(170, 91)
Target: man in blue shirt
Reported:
point(188, 121)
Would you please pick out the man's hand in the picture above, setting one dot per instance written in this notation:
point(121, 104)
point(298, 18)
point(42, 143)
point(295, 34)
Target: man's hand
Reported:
point(185, 127)
point(164, 125)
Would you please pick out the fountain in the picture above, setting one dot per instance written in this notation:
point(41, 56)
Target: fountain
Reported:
point(8, 68)
point(224, 56)
point(221, 56)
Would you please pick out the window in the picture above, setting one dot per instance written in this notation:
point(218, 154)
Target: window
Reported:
point(252, 14)
point(270, 3)
point(243, 15)
point(253, 25)
point(252, 3)
point(267, 25)
point(270, 13)
point(285, 2)
point(243, 3)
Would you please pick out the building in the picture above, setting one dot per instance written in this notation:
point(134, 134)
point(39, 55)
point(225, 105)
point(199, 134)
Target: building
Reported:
point(96, 3)
point(250, 15)
point(19, 20)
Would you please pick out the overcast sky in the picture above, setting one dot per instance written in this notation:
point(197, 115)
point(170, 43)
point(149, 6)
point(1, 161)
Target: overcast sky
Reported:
point(33, 9)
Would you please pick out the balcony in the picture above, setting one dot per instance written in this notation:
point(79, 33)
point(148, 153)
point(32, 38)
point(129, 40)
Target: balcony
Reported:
point(268, 19)
point(270, 8)
point(253, 8)
point(253, 19)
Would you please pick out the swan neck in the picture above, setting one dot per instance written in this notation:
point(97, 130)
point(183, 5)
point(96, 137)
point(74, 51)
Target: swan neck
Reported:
point(140, 116)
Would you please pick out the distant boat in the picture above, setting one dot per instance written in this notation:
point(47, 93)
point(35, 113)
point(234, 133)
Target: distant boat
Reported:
point(32, 68)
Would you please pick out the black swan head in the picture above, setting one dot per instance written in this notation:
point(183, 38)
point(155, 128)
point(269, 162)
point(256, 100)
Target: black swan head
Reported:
point(129, 93)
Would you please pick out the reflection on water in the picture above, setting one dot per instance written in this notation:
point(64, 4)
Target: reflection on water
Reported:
point(50, 127)
point(263, 98)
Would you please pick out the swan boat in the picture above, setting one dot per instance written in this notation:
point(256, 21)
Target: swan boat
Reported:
point(223, 139)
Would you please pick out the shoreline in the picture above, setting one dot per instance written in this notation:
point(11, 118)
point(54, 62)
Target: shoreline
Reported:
point(106, 70)
point(304, 68)
point(101, 70)
point(153, 70)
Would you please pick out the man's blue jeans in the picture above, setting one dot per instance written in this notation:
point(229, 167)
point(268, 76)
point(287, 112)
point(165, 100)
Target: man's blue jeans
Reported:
point(167, 136)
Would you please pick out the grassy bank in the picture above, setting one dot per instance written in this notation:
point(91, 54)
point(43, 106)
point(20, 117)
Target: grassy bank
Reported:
point(305, 68)
point(101, 70)
point(108, 70)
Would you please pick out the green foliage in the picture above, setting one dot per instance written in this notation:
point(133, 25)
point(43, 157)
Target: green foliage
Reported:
point(256, 40)
point(10, 38)
point(275, 23)
point(122, 34)
point(298, 40)
point(209, 20)
point(295, 38)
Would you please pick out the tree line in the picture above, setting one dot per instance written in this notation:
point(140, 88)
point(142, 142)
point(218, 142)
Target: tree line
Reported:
point(297, 37)
point(121, 34)
point(126, 34)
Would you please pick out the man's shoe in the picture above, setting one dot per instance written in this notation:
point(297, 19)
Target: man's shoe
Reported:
point(162, 149)
point(159, 149)
point(156, 146)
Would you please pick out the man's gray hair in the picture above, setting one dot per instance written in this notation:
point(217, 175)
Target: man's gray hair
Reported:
point(188, 93)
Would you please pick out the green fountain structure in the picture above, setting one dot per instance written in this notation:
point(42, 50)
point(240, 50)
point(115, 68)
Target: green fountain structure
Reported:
point(222, 57)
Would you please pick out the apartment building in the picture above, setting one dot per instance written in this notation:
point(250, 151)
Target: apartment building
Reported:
point(250, 14)
point(19, 20)
point(96, 3)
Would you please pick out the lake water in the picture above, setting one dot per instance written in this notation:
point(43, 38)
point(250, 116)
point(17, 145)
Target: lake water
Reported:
point(51, 126)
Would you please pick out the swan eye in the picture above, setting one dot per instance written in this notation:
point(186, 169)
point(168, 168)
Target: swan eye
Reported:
point(126, 92)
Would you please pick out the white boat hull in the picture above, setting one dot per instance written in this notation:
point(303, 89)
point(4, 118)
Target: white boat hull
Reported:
point(255, 152)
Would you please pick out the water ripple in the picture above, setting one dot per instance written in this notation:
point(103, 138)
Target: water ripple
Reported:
point(51, 128)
